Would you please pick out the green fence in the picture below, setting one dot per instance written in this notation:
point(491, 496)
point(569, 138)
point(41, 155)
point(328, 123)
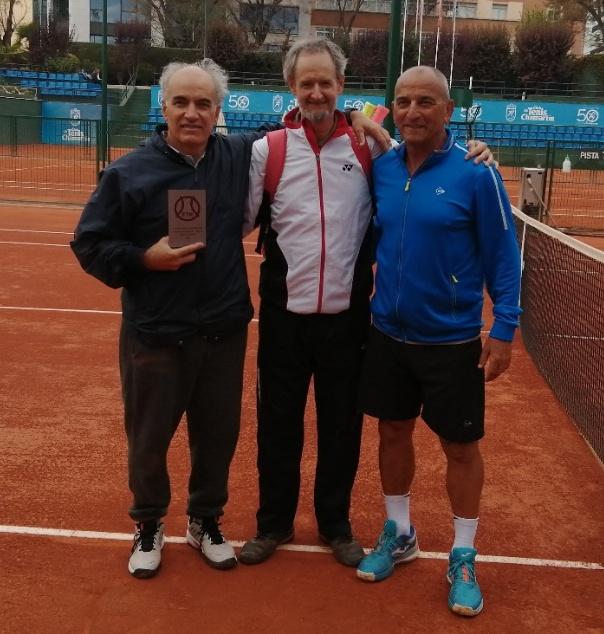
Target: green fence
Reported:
point(58, 160)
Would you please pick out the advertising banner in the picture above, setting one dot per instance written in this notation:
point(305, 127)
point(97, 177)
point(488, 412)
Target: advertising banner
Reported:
point(69, 123)
point(486, 111)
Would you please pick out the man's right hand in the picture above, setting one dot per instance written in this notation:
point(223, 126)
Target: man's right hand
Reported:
point(162, 257)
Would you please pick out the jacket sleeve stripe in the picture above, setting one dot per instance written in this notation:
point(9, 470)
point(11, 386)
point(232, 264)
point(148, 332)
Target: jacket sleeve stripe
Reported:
point(496, 182)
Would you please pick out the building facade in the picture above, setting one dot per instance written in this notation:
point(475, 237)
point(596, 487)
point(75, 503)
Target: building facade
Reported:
point(324, 17)
point(292, 20)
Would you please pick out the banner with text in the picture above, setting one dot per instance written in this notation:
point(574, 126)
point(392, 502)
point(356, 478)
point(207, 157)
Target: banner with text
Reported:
point(69, 123)
point(486, 111)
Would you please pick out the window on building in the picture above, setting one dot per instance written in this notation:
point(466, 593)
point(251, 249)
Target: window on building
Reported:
point(326, 32)
point(40, 11)
point(377, 6)
point(119, 10)
point(98, 39)
point(372, 6)
point(114, 10)
point(499, 12)
point(61, 8)
point(135, 11)
point(466, 10)
point(282, 19)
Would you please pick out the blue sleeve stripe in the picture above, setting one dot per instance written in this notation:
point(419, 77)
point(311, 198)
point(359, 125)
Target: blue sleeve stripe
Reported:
point(499, 200)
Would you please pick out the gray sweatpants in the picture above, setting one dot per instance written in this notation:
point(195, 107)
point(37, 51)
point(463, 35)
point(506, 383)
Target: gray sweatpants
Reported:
point(202, 377)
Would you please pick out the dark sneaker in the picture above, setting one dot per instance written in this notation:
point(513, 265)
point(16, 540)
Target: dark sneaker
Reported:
point(261, 547)
point(145, 557)
point(345, 549)
point(205, 535)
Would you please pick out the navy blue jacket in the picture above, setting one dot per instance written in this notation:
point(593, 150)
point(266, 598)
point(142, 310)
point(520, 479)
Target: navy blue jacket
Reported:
point(128, 213)
point(443, 234)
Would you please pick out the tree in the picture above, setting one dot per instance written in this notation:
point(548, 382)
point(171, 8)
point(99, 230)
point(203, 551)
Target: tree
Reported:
point(256, 17)
point(347, 14)
point(369, 54)
point(591, 11)
point(542, 49)
point(482, 52)
point(12, 13)
point(130, 40)
point(226, 44)
point(183, 22)
point(50, 40)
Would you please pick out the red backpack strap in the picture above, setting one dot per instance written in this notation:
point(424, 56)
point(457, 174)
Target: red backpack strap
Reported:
point(277, 147)
point(275, 160)
point(363, 153)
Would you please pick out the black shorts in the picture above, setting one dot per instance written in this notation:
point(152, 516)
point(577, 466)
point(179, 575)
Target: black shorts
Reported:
point(443, 383)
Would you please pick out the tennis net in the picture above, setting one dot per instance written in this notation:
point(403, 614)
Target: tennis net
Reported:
point(562, 323)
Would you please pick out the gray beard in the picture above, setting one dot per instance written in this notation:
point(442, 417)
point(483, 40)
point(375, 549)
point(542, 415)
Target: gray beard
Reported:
point(316, 117)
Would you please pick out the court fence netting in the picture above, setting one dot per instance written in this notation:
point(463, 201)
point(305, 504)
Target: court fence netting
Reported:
point(562, 323)
point(59, 160)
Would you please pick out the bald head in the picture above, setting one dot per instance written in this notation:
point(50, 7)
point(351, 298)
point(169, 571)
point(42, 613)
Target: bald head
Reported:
point(425, 74)
point(422, 109)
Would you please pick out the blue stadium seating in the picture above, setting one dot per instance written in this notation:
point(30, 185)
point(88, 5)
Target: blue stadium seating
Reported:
point(66, 84)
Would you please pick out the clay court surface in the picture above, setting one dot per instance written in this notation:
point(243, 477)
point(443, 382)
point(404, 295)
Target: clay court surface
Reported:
point(65, 533)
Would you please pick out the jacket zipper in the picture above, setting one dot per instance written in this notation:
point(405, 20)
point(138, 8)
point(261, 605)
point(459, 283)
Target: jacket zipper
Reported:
point(454, 281)
point(322, 208)
point(400, 251)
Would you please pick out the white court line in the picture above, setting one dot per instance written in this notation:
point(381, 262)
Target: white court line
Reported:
point(492, 559)
point(62, 233)
point(70, 233)
point(66, 206)
point(62, 310)
point(69, 310)
point(50, 244)
point(34, 244)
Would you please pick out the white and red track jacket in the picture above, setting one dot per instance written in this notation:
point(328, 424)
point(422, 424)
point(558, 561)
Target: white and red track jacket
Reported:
point(317, 250)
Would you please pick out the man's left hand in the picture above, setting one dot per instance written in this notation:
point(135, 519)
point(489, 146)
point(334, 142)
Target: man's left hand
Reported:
point(363, 126)
point(496, 357)
point(480, 152)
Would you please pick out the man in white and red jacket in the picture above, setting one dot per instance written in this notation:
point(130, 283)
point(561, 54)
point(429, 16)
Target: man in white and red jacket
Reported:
point(315, 283)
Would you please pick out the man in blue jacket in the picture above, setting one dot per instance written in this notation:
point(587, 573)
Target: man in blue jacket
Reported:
point(445, 230)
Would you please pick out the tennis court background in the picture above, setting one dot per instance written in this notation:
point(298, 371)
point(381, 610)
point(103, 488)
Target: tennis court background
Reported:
point(63, 467)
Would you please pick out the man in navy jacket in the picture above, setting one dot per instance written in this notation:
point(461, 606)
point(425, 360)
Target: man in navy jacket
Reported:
point(445, 230)
point(185, 310)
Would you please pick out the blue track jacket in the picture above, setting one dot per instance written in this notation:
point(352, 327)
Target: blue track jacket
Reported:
point(443, 234)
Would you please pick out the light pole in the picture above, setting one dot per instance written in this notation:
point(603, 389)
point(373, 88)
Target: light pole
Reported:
point(205, 27)
point(103, 130)
point(394, 60)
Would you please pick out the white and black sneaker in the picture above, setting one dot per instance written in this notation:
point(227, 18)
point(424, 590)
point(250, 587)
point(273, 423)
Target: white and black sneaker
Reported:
point(146, 550)
point(205, 535)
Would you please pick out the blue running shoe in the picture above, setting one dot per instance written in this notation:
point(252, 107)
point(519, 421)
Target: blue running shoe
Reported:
point(389, 551)
point(465, 597)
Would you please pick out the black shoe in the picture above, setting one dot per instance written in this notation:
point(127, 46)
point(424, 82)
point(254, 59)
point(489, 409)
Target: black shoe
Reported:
point(345, 549)
point(261, 547)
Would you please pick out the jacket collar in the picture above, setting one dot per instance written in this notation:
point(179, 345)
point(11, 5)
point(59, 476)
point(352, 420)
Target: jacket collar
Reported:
point(294, 121)
point(158, 141)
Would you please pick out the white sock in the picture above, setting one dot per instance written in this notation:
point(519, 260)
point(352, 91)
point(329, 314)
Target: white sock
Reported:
point(397, 509)
point(465, 531)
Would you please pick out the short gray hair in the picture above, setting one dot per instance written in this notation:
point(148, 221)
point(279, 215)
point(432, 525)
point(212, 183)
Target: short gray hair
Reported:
point(217, 73)
point(313, 45)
